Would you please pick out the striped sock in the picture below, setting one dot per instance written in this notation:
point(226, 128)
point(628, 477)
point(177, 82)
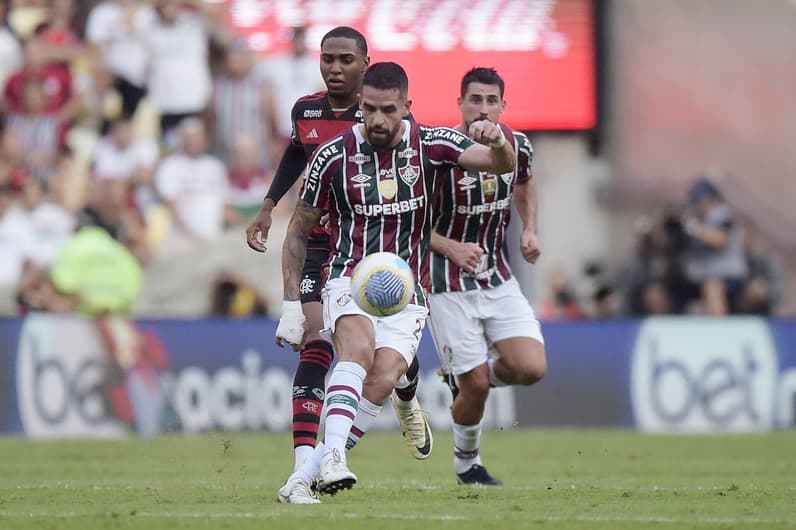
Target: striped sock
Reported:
point(406, 387)
point(366, 415)
point(308, 394)
point(466, 446)
point(342, 402)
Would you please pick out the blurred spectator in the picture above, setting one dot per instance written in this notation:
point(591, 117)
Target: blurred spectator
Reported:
point(10, 47)
point(38, 130)
point(248, 179)
point(95, 274)
point(16, 232)
point(121, 156)
point(292, 75)
point(110, 209)
point(54, 77)
point(653, 279)
point(179, 80)
point(243, 106)
point(195, 188)
point(234, 297)
point(764, 285)
point(716, 261)
point(605, 302)
point(561, 302)
point(118, 28)
point(52, 225)
point(61, 32)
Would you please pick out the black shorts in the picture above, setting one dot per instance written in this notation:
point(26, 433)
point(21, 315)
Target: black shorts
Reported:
point(312, 275)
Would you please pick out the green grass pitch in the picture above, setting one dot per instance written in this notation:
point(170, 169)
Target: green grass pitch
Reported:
point(572, 479)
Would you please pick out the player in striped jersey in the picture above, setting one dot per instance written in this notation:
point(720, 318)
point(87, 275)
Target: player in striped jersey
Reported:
point(376, 181)
point(317, 118)
point(476, 304)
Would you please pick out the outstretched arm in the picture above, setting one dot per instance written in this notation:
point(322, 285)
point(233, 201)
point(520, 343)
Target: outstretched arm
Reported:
point(495, 155)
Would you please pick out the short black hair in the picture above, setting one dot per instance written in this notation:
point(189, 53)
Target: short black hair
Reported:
point(346, 32)
point(387, 76)
point(483, 75)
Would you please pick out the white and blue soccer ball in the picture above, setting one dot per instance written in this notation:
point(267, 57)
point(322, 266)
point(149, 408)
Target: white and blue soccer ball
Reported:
point(382, 284)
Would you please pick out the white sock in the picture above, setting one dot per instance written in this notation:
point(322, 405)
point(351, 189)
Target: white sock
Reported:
point(366, 415)
point(494, 380)
point(301, 453)
point(311, 467)
point(342, 401)
point(466, 446)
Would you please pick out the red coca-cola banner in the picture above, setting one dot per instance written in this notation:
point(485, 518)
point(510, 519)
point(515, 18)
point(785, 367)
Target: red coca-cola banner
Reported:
point(544, 49)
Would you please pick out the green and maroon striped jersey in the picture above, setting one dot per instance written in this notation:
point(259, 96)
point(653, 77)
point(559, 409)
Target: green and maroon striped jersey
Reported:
point(475, 207)
point(380, 201)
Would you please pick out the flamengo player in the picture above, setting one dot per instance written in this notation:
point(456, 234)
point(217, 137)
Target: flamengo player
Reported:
point(375, 180)
point(317, 118)
point(477, 304)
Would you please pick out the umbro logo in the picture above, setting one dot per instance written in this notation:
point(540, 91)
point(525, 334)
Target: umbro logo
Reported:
point(467, 183)
point(312, 134)
point(362, 180)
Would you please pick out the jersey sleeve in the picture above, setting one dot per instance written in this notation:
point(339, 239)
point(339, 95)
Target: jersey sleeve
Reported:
point(444, 145)
point(323, 166)
point(294, 131)
point(524, 157)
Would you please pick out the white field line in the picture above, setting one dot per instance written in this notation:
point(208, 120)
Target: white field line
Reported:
point(412, 486)
point(314, 513)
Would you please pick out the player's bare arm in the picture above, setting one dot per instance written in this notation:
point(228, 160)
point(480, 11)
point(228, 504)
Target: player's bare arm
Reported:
point(525, 201)
point(294, 249)
point(464, 255)
point(492, 153)
point(292, 326)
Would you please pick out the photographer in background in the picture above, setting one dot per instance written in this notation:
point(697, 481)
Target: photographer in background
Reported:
point(715, 259)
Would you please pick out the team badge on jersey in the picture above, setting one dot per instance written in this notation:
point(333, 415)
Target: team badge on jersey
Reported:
point(388, 188)
point(489, 184)
point(409, 174)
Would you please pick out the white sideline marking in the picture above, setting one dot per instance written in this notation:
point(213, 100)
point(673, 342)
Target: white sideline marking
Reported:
point(441, 517)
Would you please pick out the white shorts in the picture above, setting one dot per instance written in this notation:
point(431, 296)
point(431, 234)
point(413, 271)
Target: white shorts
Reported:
point(401, 332)
point(465, 324)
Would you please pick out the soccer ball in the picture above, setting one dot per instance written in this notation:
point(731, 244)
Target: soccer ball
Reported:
point(382, 284)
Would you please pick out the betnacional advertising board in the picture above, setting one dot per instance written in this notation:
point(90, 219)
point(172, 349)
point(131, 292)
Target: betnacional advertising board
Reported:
point(544, 49)
point(65, 376)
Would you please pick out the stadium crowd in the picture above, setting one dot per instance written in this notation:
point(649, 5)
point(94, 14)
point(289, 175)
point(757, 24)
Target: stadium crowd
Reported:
point(153, 122)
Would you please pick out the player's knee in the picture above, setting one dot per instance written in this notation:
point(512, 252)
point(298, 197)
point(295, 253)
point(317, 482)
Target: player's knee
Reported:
point(528, 368)
point(533, 369)
point(475, 384)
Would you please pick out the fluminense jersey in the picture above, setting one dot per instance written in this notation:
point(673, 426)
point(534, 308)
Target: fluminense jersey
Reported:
point(475, 207)
point(380, 200)
point(315, 122)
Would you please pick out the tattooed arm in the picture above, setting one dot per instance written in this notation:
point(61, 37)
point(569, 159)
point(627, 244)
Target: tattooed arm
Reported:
point(294, 249)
